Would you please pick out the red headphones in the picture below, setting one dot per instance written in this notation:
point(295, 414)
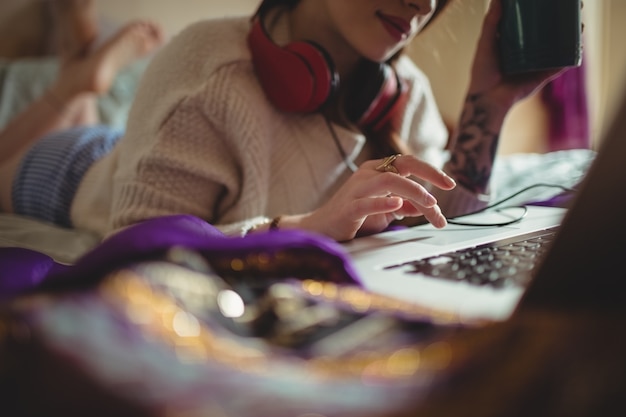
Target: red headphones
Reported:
point(300, 78)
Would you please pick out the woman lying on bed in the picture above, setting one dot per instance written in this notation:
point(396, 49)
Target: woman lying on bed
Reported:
point(231, 126)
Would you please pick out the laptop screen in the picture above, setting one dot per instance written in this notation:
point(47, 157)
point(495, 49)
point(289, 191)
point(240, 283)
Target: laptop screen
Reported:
point(584, 270)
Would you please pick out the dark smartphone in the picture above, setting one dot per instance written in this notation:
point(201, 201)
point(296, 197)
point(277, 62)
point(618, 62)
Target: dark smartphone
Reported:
point(540, 34)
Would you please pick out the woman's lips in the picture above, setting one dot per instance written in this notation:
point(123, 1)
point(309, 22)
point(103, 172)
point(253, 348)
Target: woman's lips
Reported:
point(397, 27)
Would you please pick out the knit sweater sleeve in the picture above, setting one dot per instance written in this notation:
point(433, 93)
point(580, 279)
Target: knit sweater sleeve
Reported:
point(178, 174)
point(189, 146)
point(204, 161)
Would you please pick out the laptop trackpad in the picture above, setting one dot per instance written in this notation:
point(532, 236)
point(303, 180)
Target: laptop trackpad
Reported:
point(460, 235)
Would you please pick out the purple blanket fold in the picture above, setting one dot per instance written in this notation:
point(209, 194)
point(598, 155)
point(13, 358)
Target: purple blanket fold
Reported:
point(23, 270)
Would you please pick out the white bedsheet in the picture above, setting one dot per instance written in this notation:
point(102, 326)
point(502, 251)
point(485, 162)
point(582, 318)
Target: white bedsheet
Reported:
point(64, 245)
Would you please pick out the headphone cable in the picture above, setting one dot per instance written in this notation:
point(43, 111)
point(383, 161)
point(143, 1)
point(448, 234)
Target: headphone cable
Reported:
point(343, 153)
point(524, 207)
point(452, 220)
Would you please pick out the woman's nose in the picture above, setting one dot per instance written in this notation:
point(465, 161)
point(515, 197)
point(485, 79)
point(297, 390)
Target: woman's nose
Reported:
point(422, 7)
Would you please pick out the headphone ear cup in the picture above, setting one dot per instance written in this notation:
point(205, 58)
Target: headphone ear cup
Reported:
point(297, 78)
point(322, 70)
point(374, 102)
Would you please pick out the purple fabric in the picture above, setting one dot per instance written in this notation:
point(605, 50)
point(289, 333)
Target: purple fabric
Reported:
point(566, 100)
point(562, 200)
point(23, 269)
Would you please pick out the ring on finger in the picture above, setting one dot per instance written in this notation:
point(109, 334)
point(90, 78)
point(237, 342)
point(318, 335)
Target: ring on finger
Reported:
point(387, 164)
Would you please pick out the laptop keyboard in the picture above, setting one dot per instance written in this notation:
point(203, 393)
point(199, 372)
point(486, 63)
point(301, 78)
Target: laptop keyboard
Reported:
point(498, 264)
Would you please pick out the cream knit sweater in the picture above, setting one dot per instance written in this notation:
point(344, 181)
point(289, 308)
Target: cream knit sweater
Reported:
point(202, 139)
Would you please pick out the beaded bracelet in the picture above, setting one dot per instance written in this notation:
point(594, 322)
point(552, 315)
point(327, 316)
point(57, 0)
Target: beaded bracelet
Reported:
point(274, 222)
point(273, 225)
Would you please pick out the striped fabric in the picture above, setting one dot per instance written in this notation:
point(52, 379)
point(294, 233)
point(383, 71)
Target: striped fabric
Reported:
point(49, 175)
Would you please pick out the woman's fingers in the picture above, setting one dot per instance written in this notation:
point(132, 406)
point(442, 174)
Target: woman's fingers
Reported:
point(408, 165)
point(492, 19)
point(435, 217)
point(369, 206)
point(398, 208)
point(393, 184)
point(395, 208)
point(377, 184)
point(426, 172)
point(378, 193)
point(410, 210)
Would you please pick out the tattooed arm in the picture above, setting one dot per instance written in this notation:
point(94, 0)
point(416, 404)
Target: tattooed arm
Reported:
point(472, 155)
point(474, 148)
point(491, 94)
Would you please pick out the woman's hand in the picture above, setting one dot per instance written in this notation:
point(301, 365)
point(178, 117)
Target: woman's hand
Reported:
point(486, 74)
point(371, 199)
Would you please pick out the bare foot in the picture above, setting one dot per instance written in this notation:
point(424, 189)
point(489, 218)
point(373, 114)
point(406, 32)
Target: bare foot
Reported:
point(96, 72)
point(76, 26)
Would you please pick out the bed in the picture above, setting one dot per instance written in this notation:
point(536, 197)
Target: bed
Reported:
point(134, 326)
point(171, 318)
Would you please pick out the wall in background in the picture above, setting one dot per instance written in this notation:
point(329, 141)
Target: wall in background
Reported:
point(22, 28)
point(24, 23)
point(605, 32)
point(445, 53)
point(173, 15)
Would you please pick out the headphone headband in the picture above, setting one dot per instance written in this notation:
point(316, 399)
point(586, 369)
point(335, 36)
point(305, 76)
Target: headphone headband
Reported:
point(300, 77)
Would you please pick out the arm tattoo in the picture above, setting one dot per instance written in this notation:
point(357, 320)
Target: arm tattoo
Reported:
point(474, 151)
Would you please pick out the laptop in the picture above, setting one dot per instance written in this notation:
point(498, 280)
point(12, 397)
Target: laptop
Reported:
point(569, 251)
